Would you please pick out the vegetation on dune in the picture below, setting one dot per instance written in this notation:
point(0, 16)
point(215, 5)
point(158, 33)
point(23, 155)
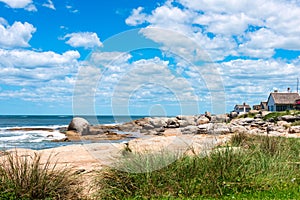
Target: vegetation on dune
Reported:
point(25, 177)
point(274, 115)
point(249, 167)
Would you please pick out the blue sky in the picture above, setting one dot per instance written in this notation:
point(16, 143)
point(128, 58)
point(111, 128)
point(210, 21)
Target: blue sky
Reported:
point(145, 57)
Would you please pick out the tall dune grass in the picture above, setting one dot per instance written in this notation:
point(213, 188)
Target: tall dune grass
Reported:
point(257, 166)
point(25, 177)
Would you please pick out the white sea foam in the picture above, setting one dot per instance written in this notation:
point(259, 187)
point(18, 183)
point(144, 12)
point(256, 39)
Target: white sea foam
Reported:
point(21, 135)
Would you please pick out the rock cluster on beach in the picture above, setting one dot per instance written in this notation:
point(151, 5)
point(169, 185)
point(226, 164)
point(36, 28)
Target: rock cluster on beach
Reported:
point(196, 124)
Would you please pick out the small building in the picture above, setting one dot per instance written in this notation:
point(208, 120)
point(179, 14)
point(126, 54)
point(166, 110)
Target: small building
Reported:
point(264, 106)
point(257, 107)
point(242, 109)
point(282, 101)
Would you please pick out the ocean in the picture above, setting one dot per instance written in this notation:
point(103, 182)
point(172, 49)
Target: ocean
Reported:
point(37, 132)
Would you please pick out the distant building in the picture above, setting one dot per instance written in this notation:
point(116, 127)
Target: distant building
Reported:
point(262, 106)
point(256, 107)
point(242, 109)
point(282, 101)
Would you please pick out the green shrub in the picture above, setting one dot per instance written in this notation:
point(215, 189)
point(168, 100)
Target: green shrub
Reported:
point(266, 165)
point(25, 177)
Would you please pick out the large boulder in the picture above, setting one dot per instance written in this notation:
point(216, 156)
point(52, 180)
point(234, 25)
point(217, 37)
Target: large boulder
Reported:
point(79, 125)
point(158, 122)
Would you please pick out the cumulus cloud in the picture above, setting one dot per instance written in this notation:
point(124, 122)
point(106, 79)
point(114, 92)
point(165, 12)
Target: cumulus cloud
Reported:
point(25, 4)
point(16, 35)
point(49, 4)
point(137, 17)
point(38, 76)
point(229, 28)
point(83, 39)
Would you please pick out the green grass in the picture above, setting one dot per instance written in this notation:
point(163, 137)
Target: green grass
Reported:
point(296, 123)
point(247, 115)
point(264, 167)
point(25, 177)
point(275, 115)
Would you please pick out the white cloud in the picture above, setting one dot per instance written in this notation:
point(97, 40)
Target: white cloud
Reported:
point(3, 22)
point(83, 39)
point(31, 59)
point(16, 35)
point(25, 67)
point(229, 27)
point(49, 4)
point(25, 4)
point(71, 9)
point(136, 17)
point(38, 76)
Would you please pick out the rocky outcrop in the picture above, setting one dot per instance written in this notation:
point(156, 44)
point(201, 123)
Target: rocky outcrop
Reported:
point(195, 124)
point(79, 125)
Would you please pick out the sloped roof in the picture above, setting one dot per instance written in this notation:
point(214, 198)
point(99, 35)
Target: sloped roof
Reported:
point(284, 97)
point(264, 104)
point(242, 106)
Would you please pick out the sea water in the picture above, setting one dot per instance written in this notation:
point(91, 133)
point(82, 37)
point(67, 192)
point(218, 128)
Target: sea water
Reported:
point(38, 132)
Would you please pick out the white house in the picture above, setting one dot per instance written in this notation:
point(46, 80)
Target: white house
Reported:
point(281, 101)
point(242, 109)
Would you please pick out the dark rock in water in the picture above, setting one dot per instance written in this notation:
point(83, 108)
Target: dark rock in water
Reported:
point(80, 125)
point(61, 140)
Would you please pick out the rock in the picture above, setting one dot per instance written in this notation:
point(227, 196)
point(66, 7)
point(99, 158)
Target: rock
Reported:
point(237, 129)
point(172, 132)
point(219, 129)
point(294, 129)
point(258, 116)
point(289, 118)
point(158, 122)
point(233, 115)
point(220, 118)
point(259, 122)
point(202, 120)
point(284, 124)
point(189, 119)
point(172, 123)
point(190, 130)
point(204, 128)
point(183, 123)
point(148, 126)
point(79, 124)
